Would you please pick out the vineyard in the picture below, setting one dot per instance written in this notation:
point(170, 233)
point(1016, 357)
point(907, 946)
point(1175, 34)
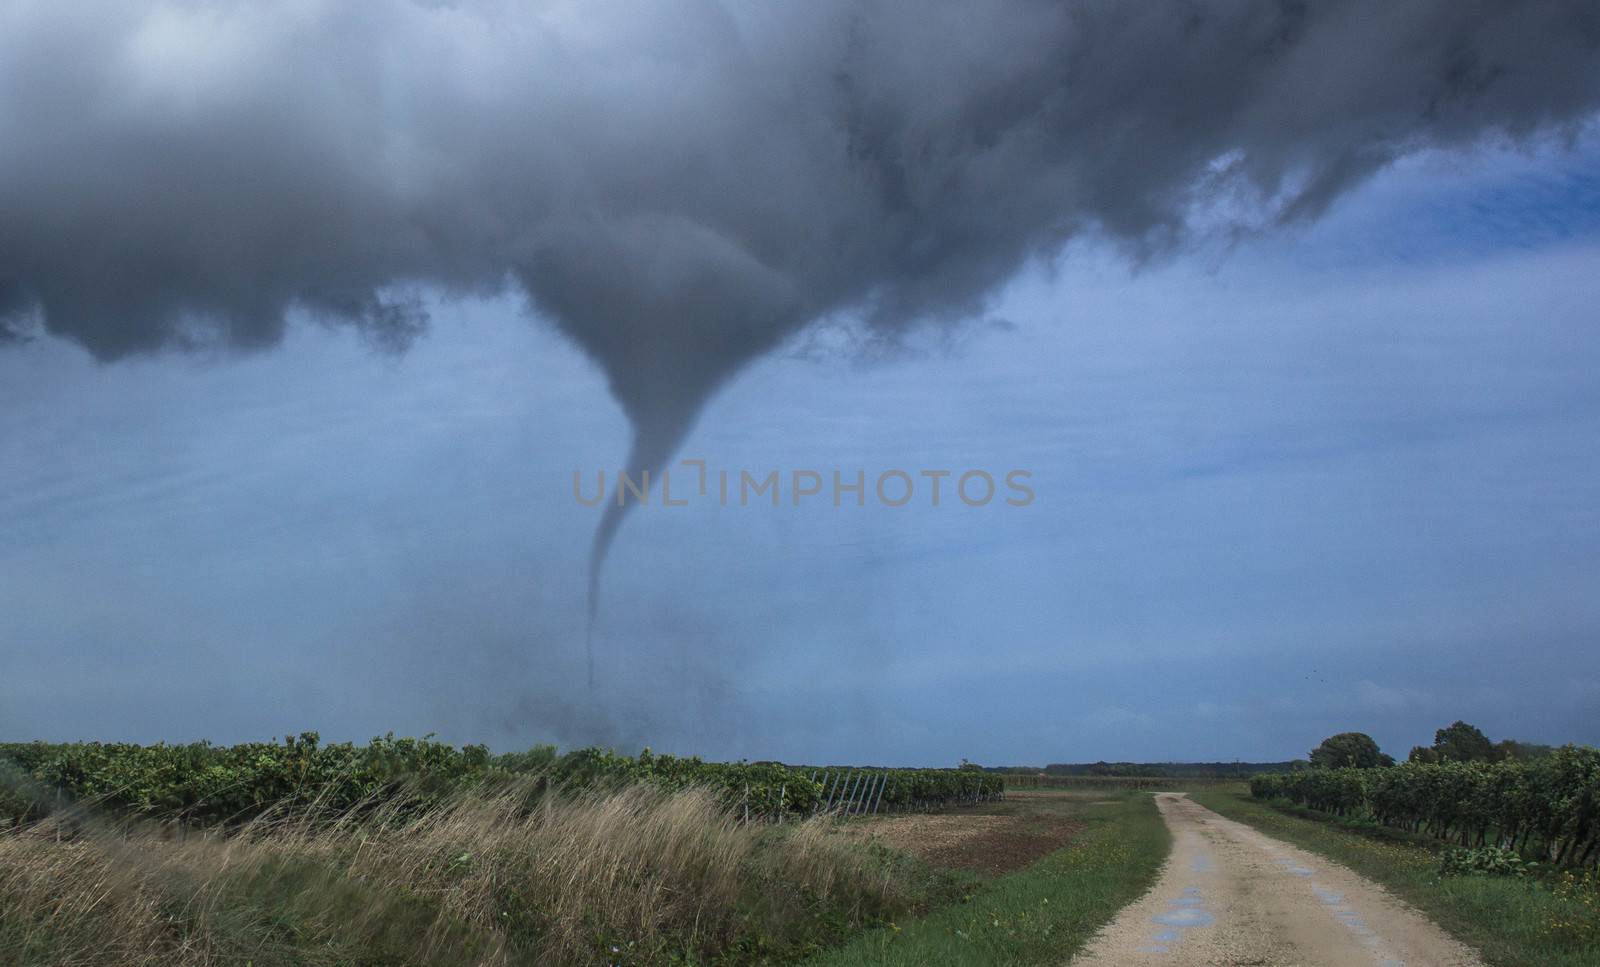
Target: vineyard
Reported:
point(204, 784)
point(1549, 807)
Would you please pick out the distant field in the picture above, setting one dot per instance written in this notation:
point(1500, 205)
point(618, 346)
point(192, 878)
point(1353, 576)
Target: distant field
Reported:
point(1144, 783)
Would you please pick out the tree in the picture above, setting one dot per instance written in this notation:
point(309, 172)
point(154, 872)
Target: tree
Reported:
point(1423, 753)
point(1460, 742)
point(1349, 749)
point(1521, 751)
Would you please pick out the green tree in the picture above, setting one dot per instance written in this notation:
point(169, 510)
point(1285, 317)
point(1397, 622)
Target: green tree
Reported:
point(1357, 749)
point(1521, 751)
point(1460, 742)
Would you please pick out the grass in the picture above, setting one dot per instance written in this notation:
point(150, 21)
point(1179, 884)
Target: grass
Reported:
point(1043, 913)
point(634, 876)
point(1512, 922)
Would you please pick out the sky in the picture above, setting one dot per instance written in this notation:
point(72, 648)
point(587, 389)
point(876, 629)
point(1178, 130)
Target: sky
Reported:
point(1332, 474)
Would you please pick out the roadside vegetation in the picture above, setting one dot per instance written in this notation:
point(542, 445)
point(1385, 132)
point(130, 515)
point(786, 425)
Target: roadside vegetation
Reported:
point(513, 876)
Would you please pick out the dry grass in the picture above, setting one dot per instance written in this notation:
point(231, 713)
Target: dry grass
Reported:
point(503, 878)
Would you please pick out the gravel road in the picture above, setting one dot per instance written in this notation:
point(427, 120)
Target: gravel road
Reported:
point(1229, 895)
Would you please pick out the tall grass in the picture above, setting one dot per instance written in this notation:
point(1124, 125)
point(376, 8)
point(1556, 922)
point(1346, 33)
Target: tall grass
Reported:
point(505, 876)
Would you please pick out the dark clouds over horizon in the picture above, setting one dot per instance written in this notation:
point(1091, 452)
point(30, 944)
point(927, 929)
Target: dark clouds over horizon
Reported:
point(683, 185)
point(680, 189)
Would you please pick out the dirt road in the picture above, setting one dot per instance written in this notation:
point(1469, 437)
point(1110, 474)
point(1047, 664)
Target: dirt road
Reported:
point(1229, 895)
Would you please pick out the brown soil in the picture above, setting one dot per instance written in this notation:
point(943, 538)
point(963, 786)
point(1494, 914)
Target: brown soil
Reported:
point(992, 840)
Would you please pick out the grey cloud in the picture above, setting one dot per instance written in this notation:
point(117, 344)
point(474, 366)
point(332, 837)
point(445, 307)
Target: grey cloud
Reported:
point(683, 186)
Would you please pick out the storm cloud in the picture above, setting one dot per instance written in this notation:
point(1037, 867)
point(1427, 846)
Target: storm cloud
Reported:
point(683, 186)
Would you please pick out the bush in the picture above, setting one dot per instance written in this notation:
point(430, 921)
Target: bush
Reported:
point(1483, 861)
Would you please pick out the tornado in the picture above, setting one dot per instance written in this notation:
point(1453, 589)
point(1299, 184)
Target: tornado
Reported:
point(679, 186)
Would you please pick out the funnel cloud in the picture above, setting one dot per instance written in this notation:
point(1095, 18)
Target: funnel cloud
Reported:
point(681, 187)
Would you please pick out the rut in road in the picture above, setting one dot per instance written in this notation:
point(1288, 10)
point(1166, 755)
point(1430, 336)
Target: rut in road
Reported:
point(1229, 895)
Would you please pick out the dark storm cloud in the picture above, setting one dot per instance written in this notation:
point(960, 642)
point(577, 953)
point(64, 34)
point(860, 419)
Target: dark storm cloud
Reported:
point(683, 186)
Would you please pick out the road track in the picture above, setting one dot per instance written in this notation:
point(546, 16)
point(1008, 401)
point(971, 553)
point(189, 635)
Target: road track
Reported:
point(1229, 895)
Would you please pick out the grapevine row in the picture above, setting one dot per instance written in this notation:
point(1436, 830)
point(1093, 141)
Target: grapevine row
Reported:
point(1549, 807)
point(205, 784)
